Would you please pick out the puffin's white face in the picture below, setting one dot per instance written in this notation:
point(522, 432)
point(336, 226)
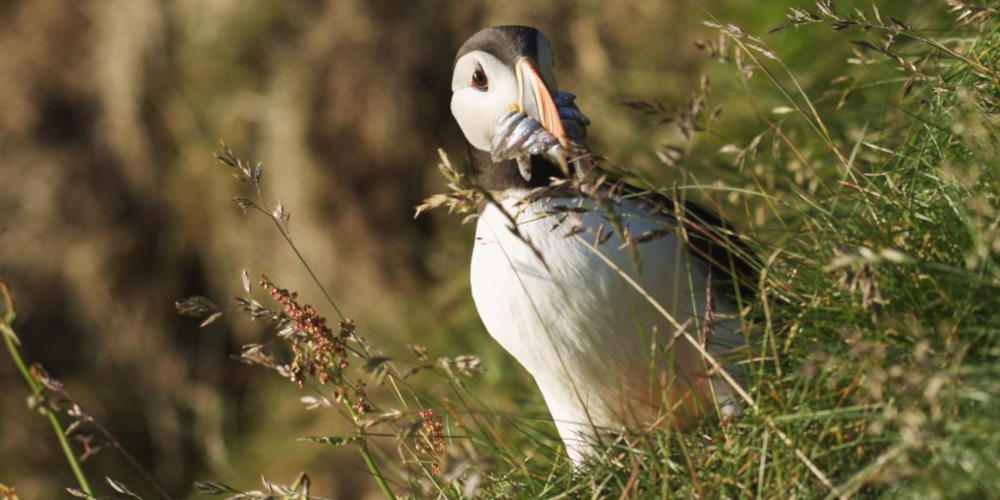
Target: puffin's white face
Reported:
point(484, 89)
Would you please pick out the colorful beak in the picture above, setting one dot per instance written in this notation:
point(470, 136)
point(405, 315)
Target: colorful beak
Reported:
point(541, 107)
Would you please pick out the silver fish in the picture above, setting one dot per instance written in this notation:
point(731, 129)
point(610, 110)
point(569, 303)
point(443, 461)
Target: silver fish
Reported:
point(518, 136)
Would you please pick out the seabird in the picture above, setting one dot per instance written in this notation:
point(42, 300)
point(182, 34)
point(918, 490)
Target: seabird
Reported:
point(608, 298)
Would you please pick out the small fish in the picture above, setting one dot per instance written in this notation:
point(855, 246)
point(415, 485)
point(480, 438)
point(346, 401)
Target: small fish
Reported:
point(507, 126)
point(519, 136)
point(522, 133)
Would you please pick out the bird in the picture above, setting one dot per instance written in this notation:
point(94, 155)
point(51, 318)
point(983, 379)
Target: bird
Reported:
point(621, 305)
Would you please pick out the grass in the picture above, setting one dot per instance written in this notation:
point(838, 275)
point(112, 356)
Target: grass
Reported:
point(873, 202)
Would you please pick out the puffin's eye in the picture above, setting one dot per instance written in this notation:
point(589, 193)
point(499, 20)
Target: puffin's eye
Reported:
point(479, 80)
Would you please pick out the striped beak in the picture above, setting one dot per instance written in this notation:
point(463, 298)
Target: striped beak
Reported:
point(534, 98)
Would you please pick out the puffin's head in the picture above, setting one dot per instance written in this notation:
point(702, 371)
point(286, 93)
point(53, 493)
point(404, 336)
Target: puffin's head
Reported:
point(499, 69)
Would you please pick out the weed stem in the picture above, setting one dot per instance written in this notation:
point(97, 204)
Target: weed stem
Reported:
point(37, 389)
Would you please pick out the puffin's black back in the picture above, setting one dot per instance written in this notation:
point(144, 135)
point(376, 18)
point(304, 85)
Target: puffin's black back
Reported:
point(732, 264)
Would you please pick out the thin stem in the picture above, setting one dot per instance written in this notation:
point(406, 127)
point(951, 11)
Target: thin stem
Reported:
point(38, 391)
point(373, 468)
point(288, 239)
point(308, 268)
point(302, 259)
point(130, 459)
point(369, 461)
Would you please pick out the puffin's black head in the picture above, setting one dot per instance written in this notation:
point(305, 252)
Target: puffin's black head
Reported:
point(496, 70)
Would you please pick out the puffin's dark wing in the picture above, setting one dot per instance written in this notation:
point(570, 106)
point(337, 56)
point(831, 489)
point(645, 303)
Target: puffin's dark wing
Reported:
point(732, 263)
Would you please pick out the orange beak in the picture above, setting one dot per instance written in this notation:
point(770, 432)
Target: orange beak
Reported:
point(547, 113)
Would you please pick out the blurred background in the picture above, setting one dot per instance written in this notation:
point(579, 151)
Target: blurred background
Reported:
point(112, 207)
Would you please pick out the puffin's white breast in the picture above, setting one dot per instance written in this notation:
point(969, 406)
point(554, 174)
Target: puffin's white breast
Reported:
point(588, 337)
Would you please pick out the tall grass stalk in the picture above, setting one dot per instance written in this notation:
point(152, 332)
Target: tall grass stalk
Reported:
point(37, 389)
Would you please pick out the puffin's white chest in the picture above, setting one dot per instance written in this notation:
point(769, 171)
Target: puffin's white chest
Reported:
point(587, 336)
point(569, 308)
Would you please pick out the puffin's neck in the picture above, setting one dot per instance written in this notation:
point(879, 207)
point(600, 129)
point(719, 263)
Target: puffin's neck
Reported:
point(504, 175)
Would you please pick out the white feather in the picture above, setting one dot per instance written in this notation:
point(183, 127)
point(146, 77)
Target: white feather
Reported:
point(478, 112)
point(594, 345)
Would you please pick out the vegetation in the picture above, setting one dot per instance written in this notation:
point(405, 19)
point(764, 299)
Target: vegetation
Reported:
point(864, 167)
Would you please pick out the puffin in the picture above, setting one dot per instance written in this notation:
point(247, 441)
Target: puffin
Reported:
point(622, 304)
